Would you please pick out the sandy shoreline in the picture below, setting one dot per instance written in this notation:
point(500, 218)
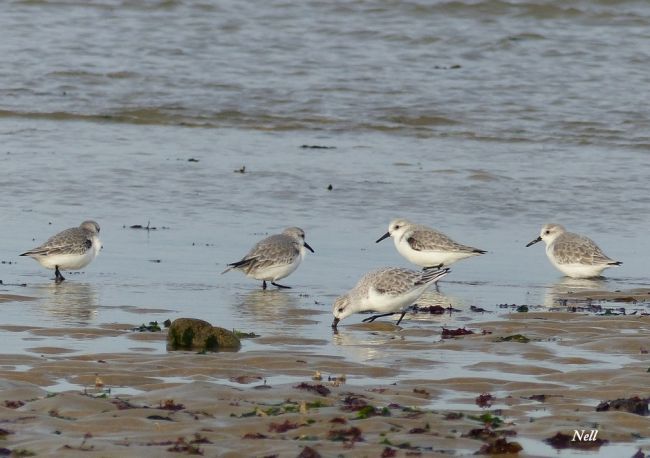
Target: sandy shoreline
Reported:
point(250, 403)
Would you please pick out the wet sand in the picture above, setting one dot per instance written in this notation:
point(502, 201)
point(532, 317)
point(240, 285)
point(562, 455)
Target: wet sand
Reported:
point(267, 402)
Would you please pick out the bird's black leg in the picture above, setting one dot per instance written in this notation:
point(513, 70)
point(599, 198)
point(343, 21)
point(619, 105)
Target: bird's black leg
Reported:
point(58, 278)
point(280, 286)
point(263, 284)
point(400, 318)
point(370, 319)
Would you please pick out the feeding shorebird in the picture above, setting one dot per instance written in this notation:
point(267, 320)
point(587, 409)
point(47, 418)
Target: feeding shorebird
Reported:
point(572, 254)
point(389, 290)
point(72, 249)
point(426, 247)
point(274, 257)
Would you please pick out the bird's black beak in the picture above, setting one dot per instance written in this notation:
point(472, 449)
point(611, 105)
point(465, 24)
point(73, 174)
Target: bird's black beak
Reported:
point(335, 323)
point(308, 247)
point(533, 242)
point(385, 236)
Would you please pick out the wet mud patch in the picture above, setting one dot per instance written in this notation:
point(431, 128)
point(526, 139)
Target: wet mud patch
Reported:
point(16, 328)
point(77, 333)
point(140, 310)
point(15, 298)
point(50, 350)
point(636, 295)
point(148, 336)
point(280, 340)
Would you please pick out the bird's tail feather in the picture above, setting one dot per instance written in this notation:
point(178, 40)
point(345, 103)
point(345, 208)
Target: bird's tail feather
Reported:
point(238, 264)
point(31, 253)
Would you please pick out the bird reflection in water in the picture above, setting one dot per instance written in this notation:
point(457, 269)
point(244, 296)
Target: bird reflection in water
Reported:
point(562, 293)
point(272, 307)
point(437, 299)
point(366, 346)
point(70, 302)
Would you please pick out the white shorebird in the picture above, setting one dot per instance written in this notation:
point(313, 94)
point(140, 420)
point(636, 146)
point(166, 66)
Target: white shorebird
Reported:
point(426, 247)
point(574, 255)
point(71, 249)
point(389, 290)
point(274, 257)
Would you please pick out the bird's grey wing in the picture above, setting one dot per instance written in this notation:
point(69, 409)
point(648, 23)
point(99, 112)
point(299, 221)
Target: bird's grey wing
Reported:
point(394, 281)
point(70, 241)
point(275, 250)
point(430, 240)
point(573, 248)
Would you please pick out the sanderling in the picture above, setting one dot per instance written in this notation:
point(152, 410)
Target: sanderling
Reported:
point(574, 255)
point(390, 290)
point(71, 249)
point(275, 257)
point(426, 247)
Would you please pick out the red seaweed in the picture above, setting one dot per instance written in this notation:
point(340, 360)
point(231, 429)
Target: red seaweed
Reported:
point(449, 333)
point(282, 427)
point(484, 400)
point(320, 389)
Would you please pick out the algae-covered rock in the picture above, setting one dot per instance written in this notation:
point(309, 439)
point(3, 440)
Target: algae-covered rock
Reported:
point(194, 334)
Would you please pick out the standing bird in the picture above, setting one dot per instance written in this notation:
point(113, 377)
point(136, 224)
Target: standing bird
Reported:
point(389, 290)
point(426, 247)
point(72, 249)
point(275, 257)
point(572, 254)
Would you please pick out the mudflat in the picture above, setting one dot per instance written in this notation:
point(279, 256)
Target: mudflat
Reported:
point(529, 377)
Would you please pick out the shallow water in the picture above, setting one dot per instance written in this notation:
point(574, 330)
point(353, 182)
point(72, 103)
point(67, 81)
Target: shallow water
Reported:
point(483, 119)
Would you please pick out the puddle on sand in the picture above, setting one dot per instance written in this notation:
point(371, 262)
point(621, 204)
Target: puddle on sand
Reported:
point(62, 385)
point(539, 448)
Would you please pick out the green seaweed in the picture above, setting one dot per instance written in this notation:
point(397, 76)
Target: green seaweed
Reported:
point(153, 326)
point(244, 335)
point(316, 405)
point(487, 419)
point(372, 411)
point(520, 338)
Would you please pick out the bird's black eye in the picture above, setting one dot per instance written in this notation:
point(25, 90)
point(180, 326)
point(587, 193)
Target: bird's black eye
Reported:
point(340, 309)
point(397, 226)
point(547, 232)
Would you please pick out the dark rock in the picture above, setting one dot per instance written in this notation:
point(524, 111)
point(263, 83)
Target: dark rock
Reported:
point(194, 334)
point(449, 333)
point(634, 405)
point(500, 447)
point(562, 441)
